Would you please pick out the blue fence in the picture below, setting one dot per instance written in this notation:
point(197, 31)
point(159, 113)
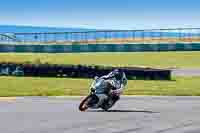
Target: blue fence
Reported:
point(106, 36)
point(99, 48)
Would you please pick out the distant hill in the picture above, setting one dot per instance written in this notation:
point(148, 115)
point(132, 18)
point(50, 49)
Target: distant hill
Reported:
point(22, 29)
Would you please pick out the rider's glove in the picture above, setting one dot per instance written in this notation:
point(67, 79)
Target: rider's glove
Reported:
point(96, 78)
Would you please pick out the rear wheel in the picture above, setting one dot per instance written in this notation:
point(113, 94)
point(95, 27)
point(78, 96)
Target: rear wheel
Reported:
point(84, 104)
point(106, 107)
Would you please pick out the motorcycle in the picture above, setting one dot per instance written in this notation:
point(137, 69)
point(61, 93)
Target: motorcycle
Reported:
point(99, 86)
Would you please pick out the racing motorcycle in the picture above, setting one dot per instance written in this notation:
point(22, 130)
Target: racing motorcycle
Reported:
point(98, 86)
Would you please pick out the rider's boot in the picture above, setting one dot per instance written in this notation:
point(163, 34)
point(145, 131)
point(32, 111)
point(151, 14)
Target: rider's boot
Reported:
point(115, 98)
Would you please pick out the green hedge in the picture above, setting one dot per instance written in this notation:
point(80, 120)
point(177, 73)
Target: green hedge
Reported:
point(79, 71)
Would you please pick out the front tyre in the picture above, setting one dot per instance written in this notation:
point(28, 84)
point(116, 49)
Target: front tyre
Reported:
point(84, 104)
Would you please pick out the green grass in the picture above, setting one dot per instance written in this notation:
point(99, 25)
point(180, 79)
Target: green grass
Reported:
point(28, 86)
point(148, 59)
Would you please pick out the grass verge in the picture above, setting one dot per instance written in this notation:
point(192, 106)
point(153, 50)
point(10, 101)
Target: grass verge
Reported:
point(148, 59)
point(29, 86)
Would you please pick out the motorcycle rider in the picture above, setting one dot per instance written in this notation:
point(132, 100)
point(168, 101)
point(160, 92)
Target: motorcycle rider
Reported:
point(118, 81)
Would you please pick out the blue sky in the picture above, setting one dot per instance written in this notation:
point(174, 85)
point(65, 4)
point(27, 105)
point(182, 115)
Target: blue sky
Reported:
point(101, 14)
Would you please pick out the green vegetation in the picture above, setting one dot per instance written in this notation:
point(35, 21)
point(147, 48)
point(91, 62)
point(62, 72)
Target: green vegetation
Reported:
point(147, 59)
point(28, 86)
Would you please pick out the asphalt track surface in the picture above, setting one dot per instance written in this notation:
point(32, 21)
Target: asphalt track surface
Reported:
point(186, 72)
point(139, 114)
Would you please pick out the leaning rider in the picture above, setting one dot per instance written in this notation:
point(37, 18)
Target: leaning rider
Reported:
point(118, 80)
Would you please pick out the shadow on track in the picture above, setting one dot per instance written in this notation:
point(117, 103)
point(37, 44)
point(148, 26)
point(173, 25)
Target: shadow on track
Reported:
point(127, 111)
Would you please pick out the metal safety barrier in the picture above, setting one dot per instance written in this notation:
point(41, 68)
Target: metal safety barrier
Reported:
point(149, 36)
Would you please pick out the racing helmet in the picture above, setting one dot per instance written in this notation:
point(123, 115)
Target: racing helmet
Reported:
point(118, 74)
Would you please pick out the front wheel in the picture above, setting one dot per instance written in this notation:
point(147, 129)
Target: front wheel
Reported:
point(84, 104)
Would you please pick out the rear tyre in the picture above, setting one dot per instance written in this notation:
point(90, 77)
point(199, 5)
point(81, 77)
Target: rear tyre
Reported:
point(106, 107)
